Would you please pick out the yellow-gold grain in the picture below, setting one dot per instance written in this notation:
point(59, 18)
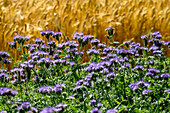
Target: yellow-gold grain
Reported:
point(130, 18)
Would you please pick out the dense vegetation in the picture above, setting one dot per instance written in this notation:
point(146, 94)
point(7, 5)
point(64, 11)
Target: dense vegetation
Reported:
point(52, 77)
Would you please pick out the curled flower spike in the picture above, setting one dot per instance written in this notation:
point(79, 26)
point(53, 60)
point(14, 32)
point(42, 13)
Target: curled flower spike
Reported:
point(46, 33)
point(57, 35)
point(110, 30)
point(12, 44)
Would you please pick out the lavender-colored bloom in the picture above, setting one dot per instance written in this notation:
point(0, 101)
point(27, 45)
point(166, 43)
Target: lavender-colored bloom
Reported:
point(47, 33)
point(7, 91)
point(151, 62)
point(77, 35)
point(149, 74)
point(142, 83)
point(138, 67)
point(57, 35)
point(6, 61)
point(134, 86)
point(93, 51)
point(165, 75)
point(27, 46)
point(102, 45)
point(95, 110)
point(3, 75)
point(99, 104)
point(124, 107)
point(110, 30)
point(90, 37)
point(45, 89)
point(3, 111)
point(79, 82)
point(24, 106)
point(145, 92)
point(20, 39)
point(52, 43)
point(153, 70)
point(93, 102)
point(112, 111)
point(155, 33)
point(144, 37)
point(61, 106)
point(33, 110)
point(4, 54)
point(95, 41)
point(154, 48)
point(126, 42)
point(167, 91)
point(88, 77)
point(77, 88)
point(50, 110)
point(111, 75)
point(12, 44)
point(17, 70)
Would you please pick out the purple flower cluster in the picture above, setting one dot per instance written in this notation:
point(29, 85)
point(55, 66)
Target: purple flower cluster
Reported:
point(51, 89)
point(112, 111)
point(110, 30)
point(95, 110)
point(4, 76)
point(7, 91)
point(20, 39)
point(93, 102)
point(135, 86)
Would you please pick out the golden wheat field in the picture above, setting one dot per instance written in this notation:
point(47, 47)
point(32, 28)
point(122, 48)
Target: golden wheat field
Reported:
point(130, 18)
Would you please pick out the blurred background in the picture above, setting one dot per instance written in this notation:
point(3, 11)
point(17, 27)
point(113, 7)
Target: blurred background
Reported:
point(130, 18)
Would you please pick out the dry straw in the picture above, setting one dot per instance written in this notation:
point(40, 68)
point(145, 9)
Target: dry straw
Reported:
point(131, 18)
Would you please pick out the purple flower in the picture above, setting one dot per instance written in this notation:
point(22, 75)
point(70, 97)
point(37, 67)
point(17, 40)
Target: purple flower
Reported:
point(7, 91)
point(3, 111)
point(99, 104)
point(93, 102)
point(45, 89)
point(57, 35)
point(167, 91)
point(34, 110)
point(123, 107)
point(4, 76)
point(20, 39)
point(52, 43)
point(153, 70)
point(165, 75)
point(12, 44)
point(24, 106)
point(102, 45)
point(79, 82)
point(155, 33)
point(134, 86)
point(110, 30)
point(95, 41)
point(112, 111)
point(145, 92)
point(4, 54)
point(50, 110)
point(144, 37)
point(138, 67)
point(6, 61)
point(90, 37)
point(95, 110)
point(149, 74)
